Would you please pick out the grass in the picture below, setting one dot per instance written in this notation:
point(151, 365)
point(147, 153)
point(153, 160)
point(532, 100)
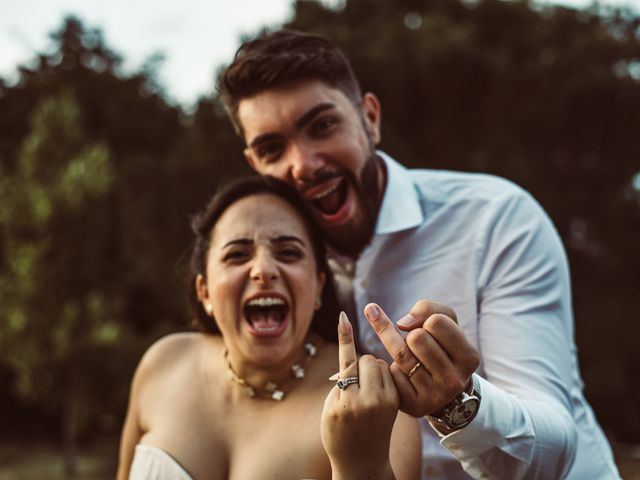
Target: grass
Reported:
point(44, 462)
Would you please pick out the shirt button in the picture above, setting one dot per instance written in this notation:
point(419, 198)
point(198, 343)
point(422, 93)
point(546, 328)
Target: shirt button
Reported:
point(484, 475)
point(364, 283)
point(454, 447)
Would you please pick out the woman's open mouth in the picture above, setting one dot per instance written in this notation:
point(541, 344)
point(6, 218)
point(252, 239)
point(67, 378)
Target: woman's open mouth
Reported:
point(266, 315)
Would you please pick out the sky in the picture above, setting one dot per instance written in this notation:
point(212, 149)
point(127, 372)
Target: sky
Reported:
point(186, 32)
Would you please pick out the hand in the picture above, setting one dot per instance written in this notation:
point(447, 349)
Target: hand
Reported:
point(356, 422)
point(447, 359)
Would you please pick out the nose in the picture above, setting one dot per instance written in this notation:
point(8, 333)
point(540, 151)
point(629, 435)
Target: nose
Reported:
point(264, 269)
point(304, 162)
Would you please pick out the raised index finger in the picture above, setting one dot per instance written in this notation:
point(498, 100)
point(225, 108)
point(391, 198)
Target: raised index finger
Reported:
point(389, 336)
point(346, 348)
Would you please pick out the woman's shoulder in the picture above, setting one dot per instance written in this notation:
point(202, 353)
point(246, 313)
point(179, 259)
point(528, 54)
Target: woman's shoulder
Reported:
point(171, 352)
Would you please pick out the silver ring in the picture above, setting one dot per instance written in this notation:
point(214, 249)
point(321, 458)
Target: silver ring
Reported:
point(414, 369)
point(343, 383)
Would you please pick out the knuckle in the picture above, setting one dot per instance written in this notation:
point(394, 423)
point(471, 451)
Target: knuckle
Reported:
point(437, 322)
point(349, 363)
point(368, 359)
point(380, 325)
point(394, 368)
point(425, 307)
point(417, 337)
point(345, 338)
point(403, 356)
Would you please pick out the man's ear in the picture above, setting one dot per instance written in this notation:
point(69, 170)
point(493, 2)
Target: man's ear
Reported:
point(372, 115)
point(248, 156)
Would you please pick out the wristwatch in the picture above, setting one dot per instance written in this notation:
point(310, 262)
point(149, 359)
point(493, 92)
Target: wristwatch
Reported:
point(459, 413)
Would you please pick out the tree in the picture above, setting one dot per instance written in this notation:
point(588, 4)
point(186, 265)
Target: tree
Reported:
point(59, 316)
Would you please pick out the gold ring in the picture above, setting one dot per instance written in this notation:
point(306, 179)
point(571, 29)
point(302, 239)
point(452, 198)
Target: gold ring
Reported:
point(414, 369)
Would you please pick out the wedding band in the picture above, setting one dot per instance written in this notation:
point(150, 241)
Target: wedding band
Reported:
point(343, 383)
point(414, 369)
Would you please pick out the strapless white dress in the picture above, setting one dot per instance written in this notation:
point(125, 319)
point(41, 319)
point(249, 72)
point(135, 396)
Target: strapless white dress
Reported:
point(153, 463)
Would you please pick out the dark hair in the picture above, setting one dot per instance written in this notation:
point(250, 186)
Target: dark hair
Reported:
point(325, 318)
point(282, 57)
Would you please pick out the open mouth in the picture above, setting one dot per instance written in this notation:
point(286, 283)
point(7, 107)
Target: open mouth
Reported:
point(331, 200)
point(266, 315)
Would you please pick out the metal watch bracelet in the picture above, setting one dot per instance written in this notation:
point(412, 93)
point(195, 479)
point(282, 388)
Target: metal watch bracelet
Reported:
point(460, 411)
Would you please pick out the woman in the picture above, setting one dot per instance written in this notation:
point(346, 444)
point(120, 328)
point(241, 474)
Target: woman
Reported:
point(249, 398)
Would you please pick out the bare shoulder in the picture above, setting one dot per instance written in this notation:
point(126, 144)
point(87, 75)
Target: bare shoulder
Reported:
point(169, 353)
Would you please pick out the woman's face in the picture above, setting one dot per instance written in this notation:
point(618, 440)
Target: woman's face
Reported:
point(262, 280)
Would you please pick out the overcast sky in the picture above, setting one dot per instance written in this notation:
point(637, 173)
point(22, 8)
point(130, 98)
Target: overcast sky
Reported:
point(195, 36)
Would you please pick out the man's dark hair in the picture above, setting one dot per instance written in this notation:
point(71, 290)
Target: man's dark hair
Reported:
point(325, 319)
point(283, 57)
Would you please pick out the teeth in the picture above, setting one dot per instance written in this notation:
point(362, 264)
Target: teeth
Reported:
point(326, 192)
point(333, 184)
point(265, 302)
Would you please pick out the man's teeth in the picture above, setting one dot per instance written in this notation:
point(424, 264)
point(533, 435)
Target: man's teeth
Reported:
point(329, 191)
point(265, 302)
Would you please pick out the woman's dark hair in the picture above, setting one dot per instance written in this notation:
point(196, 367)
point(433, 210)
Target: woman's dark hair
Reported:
point(324, 322)
point(280, 58)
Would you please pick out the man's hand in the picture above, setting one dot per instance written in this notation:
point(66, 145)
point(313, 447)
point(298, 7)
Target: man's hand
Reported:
point(447, 359)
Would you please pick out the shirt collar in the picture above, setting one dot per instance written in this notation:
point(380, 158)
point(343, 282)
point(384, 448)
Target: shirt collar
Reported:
point(400, 208)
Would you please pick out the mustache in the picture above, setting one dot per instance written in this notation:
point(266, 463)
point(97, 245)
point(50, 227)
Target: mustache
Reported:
point(303, 186)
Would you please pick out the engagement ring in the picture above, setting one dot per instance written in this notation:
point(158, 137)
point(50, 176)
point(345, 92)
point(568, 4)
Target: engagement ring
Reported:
point(345, 382)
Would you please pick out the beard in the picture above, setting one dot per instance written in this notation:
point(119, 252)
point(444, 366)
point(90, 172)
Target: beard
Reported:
point(353, 238)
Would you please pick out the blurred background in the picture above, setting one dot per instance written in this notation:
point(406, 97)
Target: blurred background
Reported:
point(103, 161)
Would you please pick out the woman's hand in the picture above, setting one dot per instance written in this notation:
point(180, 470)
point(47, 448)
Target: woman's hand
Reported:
point(357, 420)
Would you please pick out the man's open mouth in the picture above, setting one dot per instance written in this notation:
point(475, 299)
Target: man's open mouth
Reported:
point(330, 200)
point(266, 315)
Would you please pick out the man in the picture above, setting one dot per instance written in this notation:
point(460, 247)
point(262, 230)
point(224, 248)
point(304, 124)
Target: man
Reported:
point(475, 242)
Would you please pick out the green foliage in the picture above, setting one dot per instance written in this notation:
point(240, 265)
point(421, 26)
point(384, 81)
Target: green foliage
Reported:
point(50, 295)
point(99, 174)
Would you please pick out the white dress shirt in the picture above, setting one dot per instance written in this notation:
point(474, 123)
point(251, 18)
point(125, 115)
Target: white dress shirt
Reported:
point(485, 247)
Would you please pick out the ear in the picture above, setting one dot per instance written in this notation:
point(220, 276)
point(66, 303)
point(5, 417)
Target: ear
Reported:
point(248, 156)
point(371, 111)
point(322, 278)
point(201, 288)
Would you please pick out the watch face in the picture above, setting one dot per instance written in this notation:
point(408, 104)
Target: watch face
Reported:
point(462, 413)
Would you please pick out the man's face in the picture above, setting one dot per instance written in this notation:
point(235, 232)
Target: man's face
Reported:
point(313, 137)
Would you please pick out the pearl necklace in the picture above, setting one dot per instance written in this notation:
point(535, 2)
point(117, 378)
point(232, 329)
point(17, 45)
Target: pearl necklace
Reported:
point(271, 389)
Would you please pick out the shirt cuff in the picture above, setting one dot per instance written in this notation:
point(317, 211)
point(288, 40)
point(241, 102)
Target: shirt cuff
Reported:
point(499, 418)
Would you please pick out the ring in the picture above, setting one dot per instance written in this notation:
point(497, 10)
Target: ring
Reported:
point(414, 369)
point(343, 383)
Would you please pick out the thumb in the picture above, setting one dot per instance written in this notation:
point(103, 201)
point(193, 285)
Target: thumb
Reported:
point(421, 311)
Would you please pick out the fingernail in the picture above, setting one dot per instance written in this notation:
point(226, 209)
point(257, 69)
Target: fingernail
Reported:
point(406, 321)
point(334, 377)
point(344, 326)
point(372, 312)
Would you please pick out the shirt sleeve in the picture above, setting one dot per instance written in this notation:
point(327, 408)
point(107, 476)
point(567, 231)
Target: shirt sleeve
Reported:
point(525, 426)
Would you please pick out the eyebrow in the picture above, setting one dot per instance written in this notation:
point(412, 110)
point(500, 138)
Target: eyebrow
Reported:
point(278, 239)
point(299, 123)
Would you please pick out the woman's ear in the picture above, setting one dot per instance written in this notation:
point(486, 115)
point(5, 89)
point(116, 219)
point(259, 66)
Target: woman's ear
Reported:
point(201, 288)
point(322, 278)
point(203, 295)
